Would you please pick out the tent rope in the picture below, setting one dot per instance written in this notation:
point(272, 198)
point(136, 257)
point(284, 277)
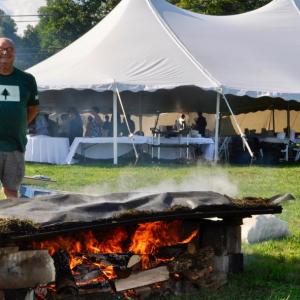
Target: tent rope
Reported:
point(239, 129)
point(126, 121)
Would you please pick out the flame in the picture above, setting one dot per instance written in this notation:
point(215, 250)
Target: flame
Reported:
point(144, 241)
point(149, 237)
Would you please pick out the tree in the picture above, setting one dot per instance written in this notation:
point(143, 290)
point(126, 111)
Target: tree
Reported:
point(63, 21)
point(8, 29)
point(8, 26)
point(220, 7)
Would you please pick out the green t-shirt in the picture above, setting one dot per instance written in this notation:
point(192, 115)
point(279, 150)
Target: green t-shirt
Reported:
point(17, 91)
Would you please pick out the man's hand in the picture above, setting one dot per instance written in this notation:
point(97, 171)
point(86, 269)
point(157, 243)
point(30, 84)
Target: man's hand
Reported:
point(32, 112)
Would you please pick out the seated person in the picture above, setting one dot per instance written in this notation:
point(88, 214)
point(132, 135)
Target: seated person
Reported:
point(41, 124)
point(107, 127)
point(124, 128)
point(75, 124)
point(63, 127)
point(200, 124)
point(94, 124)
point(52, 127)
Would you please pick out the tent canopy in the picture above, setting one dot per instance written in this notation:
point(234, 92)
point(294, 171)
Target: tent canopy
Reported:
point(144, 46)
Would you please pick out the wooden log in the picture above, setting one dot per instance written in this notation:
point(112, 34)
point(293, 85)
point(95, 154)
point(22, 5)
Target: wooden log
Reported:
point(103, 286)
point(26, 269)
point(134, 260)
point(201, 259)
point(214, 281)
point(111, 259)
point(143, 278)
point(171, 251)
point(64, 280)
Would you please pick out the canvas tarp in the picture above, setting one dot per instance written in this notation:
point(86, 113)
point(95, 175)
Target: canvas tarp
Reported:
point(151, 45)
point(79, 208)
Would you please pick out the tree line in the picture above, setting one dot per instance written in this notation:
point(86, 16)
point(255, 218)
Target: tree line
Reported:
point(63, 21)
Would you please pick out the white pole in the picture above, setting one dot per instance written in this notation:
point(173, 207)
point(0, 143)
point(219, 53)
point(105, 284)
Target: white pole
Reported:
point(140, 114)
point(115, 127)
point(216, 156)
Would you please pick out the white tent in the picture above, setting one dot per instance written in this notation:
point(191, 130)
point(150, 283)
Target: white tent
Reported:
point(150, 45)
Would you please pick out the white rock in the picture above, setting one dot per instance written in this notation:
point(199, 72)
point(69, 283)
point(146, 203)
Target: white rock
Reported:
point(263, 228)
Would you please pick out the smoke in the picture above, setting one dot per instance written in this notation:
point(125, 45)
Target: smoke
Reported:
point(198, 179)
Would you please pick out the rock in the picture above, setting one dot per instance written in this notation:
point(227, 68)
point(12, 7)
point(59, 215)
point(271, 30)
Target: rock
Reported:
point(263, 228)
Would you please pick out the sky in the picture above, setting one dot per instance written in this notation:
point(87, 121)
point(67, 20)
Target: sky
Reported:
point(22, 7)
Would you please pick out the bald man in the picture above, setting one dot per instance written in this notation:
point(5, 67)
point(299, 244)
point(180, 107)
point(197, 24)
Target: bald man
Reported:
point(18, 107)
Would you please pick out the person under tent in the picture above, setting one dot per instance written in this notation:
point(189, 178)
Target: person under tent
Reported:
point(131, 124)
point(200, 124)
point(107, 127)
point(75, 125)
point(94, 123)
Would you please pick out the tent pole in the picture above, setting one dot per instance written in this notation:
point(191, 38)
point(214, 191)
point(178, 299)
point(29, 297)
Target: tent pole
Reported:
point(288, 120)
point(115, 127)
point(140, 114)
point(239, 128)
point(273, 117)
point(216, 156)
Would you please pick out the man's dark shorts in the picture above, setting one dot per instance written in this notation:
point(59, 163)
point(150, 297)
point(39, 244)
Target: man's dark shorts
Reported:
point(12, 169)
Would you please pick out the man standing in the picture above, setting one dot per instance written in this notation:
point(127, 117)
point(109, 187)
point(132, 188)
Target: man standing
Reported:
point(18, 107)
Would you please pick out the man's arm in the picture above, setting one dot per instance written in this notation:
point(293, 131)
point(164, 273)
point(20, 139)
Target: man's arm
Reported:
point(32, 112)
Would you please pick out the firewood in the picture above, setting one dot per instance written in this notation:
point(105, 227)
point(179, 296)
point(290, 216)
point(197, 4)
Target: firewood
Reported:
point(143, 292)
point(134, 260)
point(171, 251)
point(111, 259)
point(103, 286)
point(26, 269)
point(214, 280)
point(193, 248)
point(143, 278)
point(65, 283)
point(194, 274)
point(187, 261)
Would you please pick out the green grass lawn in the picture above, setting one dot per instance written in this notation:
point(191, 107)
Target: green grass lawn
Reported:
point(272, 269)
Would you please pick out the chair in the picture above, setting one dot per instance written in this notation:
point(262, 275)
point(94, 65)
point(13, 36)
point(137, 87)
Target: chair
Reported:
point(224, 148)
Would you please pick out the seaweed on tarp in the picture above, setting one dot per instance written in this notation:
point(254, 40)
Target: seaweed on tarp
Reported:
point(13, 225)
point(252, 201)
point(144, 213)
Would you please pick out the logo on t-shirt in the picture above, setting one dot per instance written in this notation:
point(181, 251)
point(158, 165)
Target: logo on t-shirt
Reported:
point(10, 93)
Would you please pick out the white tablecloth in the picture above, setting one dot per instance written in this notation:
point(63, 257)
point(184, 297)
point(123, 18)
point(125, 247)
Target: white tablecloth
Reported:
point(102, 147)
point(206, 145)
point(45, 149)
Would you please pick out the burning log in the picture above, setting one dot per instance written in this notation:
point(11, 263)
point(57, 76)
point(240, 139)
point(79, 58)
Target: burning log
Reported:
point(111, 259)
point(26, 269)
point(133, 261)
point(143, 278)
point(65, 283)
point(171, 251)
